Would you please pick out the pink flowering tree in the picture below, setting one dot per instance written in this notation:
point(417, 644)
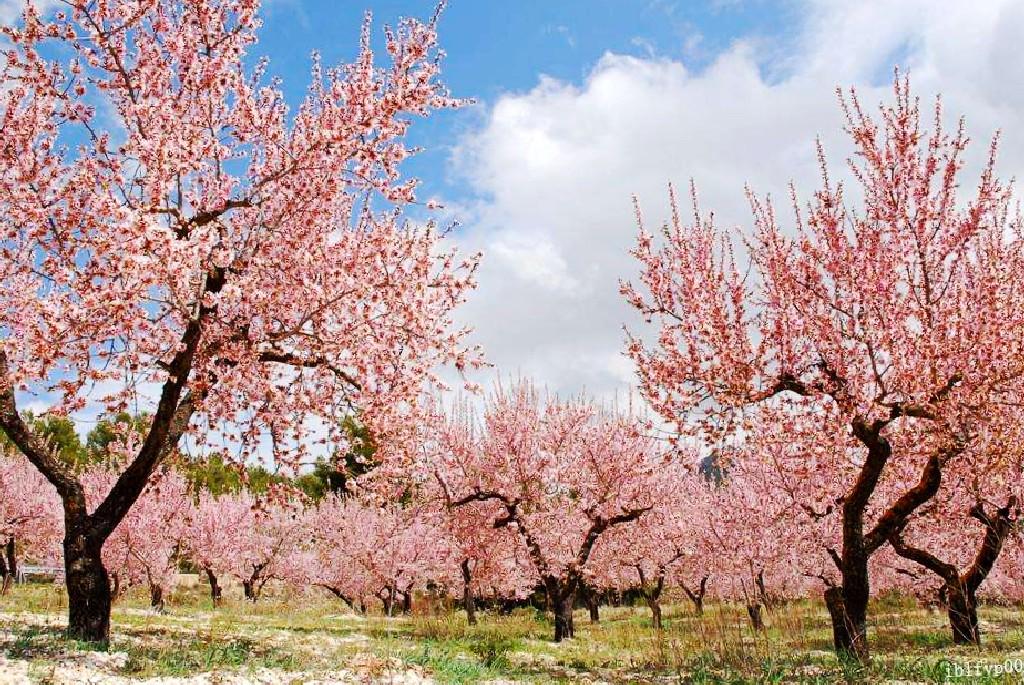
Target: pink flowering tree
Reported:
point(669, 546)
point(29, 516)
point(218, 528)
point(205, 251)
point(491, 561)
point(366, 549)
point(273, 535)
point(147, 545)
point(872, 321)
point(563, 475)
point(959, 536)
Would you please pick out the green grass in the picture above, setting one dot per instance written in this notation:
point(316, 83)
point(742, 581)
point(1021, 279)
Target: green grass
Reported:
point(313, 634)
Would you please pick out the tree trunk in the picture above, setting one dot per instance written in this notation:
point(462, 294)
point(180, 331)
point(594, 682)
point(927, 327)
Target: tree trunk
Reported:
point(655, 605)
point(959, 590)
point(963, 614)
point(5, 575)
point(407, 602)
point(762, 591)
point(11, 558)
point(593, 602)
point(215, 590)
point(249, 589)
point(156, 597)
point(88, 586)
point(594, 606)
point(698, 597)
point(468, 600)
point(563, 616)
point(849, 636)
point(756, 620)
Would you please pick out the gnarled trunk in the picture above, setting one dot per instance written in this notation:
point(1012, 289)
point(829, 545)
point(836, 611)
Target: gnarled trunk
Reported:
point(8, 567)
point(697, 597)
point(561, 597)
point(215, 589)
point(755, 613)
point(468, 600)
point(249, 590)
point(654, 604)
point(960, 589)
point(592, 600)
point(88, 587)
point(963, 614)
point(849, 632)
point(156, 597)
point(564, 627)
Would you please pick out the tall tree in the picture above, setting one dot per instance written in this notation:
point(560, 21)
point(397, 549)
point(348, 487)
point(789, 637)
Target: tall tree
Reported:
point(902, 315)
point(210, 257)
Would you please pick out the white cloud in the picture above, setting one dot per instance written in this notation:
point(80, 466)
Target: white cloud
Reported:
point(553, 169)
point(10, 10)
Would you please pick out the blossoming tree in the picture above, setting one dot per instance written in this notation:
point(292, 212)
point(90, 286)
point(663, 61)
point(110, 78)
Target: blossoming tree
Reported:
point(563, 475)
point(205, 254)
point(897, 316)
point(365, 549)
point(149, 541)
point(29, 516)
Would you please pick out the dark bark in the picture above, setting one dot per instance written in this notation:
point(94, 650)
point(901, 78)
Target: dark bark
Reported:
point(564, 627)
point(654, 604)
point(343, 597)
point(848, 601)
point(754, 610)
point(11, 556)
point(8, 566)
point(215, 589)
point(762, 591)
point(594, 607)
point(843, 629)
point(592, 600)
point(407, 601)
point(651, 592)
point(89, 594)
point(156, 597)
point(697, 597)
point(962, 605)
point(387, 596)
point(561, 598)
point(249, 590)
point(468, 600)
point(960, 589)
point(88, 587)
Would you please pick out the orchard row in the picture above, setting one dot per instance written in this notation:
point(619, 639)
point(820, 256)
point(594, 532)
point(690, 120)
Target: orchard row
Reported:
point(176, 241)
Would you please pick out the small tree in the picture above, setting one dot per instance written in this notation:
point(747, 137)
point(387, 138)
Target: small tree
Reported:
point(29, 516)
point(562, 474)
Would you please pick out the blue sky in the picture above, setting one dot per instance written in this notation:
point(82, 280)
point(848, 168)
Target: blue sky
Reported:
point(495, 47)
point(584, 104)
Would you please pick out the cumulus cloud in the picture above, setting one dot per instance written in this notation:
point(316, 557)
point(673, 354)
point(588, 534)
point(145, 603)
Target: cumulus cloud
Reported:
point(551, 171)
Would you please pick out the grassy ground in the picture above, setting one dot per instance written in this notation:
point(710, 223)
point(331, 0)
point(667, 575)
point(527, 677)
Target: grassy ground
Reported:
point(292, 639)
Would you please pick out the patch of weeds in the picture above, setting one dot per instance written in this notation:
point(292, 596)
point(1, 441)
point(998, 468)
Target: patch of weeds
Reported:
point(929, 640)
point(189, 657)
point(493, 650)
point(446, 664)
